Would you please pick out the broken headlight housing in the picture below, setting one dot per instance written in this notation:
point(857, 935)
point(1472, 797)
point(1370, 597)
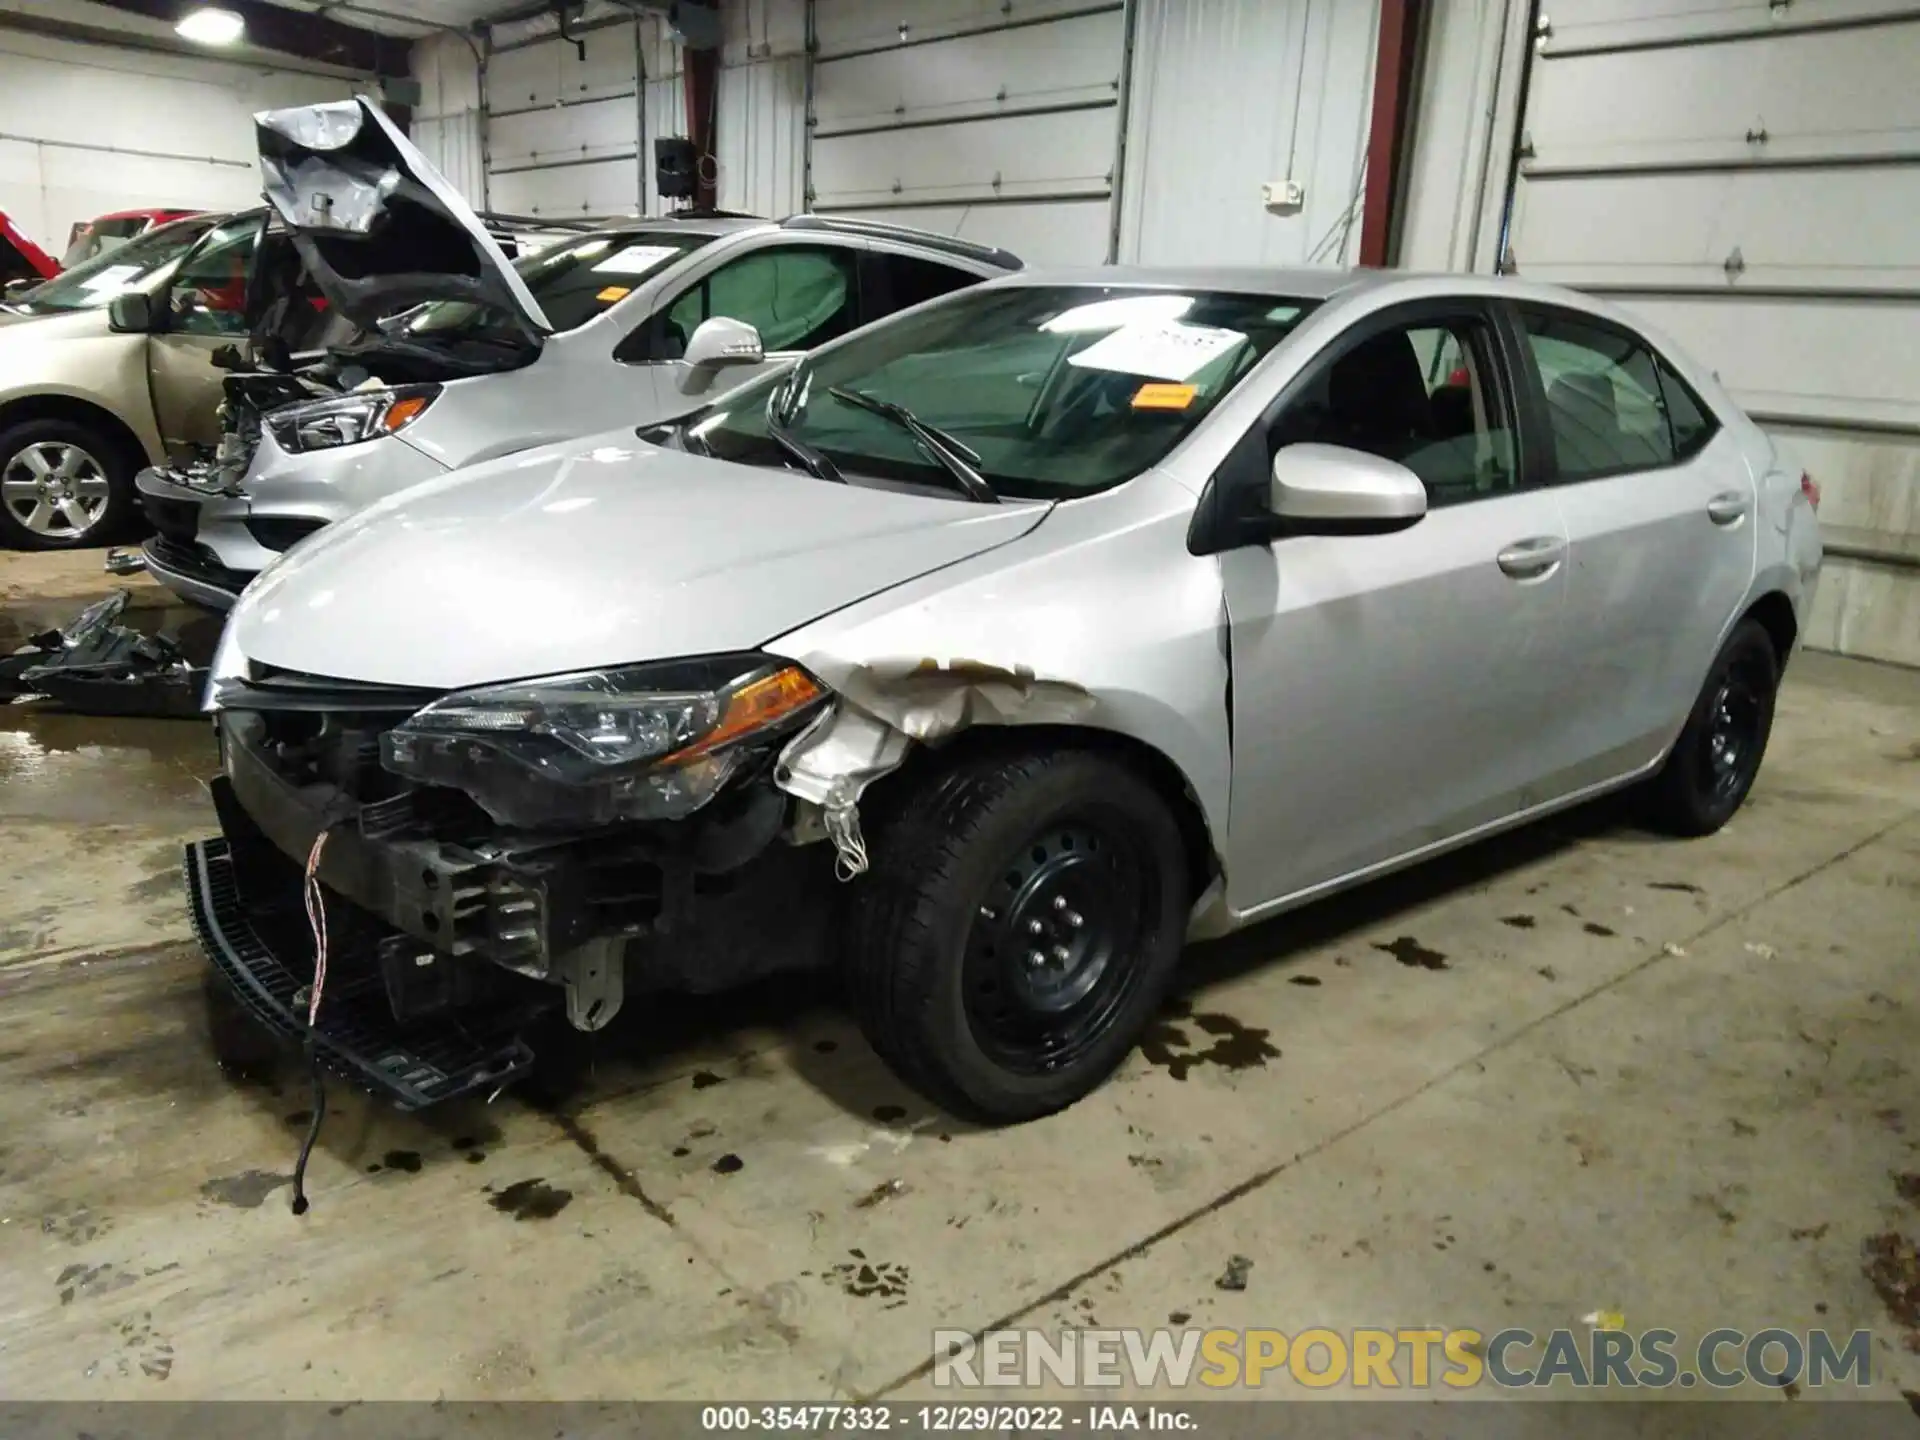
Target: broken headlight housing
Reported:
point(349, 419)
point(595, 747)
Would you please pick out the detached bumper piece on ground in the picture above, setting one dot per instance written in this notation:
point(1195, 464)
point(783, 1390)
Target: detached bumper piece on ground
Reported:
point(98, 667)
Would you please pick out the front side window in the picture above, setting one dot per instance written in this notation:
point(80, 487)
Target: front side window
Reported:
point(209, 291)
point(1425, 395)
point(796, 296)
point(1056, 390)
point(1604, 405)
point(140, 264)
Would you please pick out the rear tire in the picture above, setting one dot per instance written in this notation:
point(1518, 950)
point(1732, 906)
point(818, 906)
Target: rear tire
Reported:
point(64, 485)
point(1068, 856)
point(1714, 762)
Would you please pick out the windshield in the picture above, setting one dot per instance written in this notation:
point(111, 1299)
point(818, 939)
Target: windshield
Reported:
point(97, 238)
point(1058, 390)
point(573, 282)
point(140, 264)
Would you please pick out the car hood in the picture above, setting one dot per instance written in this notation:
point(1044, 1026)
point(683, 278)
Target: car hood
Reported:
point(33, 330)
point(379, 228)
point(602, 551)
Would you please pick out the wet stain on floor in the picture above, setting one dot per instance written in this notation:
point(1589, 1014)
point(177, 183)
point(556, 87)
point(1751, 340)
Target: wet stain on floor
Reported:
point(82, 1281)
point(1685, 887)
point(728, 1165)
point(1303, 980)
point(1234, 1046)
point(825, 1047)
point(1518, 922)
point(531, 1200)
point(702, 1079)
point(1411, 953)
point(404, 1160)
point(246, 1191)
point(866, 1279)
point(887, 1114)
point(1594, 927)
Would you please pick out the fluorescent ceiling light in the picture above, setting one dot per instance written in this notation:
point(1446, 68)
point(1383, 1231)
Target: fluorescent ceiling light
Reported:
point(210, 26)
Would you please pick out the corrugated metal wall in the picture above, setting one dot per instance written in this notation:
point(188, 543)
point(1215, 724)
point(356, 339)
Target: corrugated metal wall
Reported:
point(1230, 94)
point(763, 108)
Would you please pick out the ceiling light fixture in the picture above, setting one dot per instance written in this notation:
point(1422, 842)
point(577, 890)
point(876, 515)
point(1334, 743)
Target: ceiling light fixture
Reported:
point(211, 26)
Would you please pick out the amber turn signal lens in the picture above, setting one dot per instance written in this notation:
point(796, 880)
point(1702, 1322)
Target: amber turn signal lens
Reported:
point(755, 706)
point(404, 410)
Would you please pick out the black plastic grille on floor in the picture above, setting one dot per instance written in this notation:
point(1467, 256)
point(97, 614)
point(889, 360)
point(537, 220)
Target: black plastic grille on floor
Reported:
point(358, 1038)
point(195, 561)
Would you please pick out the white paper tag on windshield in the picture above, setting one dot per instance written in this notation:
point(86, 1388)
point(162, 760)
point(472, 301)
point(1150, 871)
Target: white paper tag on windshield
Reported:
point(114, 277)
point(1163, 350)
point(635, 260)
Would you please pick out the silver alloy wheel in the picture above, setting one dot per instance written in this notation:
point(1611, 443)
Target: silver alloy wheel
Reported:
point(54, 488)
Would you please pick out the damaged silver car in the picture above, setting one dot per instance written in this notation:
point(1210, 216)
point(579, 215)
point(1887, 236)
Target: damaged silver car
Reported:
point(453, 356)
point(990, 654)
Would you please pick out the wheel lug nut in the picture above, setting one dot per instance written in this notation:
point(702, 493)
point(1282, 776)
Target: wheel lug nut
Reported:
point(1035, 959)
point(1060, 954)
point(1059, 902)
point(1074, 920)
point(1034, 927)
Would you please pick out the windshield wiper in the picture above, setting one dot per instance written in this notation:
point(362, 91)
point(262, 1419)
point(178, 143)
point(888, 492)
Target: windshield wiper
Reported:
point(954, 457)
point(811, 460)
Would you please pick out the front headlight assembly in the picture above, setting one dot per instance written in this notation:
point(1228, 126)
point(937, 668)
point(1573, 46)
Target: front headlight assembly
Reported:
point(349, 419)
point(642, 742)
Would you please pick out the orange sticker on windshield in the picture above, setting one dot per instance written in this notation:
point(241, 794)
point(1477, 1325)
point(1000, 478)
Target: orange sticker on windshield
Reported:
point(1164, 397)
point(613, 293)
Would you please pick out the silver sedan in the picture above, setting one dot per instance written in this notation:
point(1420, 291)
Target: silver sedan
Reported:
point(1066, 618)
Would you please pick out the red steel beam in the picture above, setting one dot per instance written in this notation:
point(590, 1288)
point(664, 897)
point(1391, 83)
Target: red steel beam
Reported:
point(702, 85)
point(1392, 94)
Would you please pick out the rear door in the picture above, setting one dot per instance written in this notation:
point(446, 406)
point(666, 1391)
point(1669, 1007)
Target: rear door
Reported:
point(203, 309)
point(1659, 507)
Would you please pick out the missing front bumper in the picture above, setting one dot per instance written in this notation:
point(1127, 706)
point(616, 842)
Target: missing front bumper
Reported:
point(357, 1038)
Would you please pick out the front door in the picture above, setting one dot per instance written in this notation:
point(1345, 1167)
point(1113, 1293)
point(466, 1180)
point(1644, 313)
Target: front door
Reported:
point(1659, 505)
point(1392, 692)
point(204, 309)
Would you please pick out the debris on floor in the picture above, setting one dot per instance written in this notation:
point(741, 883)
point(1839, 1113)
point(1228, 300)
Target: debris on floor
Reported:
point(1605, 1320)
point(1234, 1277)
point(96, 666)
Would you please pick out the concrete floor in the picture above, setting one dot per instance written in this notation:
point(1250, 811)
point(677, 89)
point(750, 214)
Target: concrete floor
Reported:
point(1670, 1079)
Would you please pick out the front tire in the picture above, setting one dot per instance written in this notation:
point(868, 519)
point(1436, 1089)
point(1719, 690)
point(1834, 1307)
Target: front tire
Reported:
point(1714, 762)
point(1018, 930)
point(63, 485)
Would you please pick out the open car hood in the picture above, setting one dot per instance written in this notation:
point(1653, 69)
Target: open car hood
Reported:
point(378, 227)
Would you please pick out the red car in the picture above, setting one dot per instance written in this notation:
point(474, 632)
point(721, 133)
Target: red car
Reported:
point(94, 237)
point(22, 260)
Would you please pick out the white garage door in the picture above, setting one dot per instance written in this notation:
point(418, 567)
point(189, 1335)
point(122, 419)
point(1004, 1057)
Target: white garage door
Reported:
point(991, 119)
point(1747, 176)
point(563, 131)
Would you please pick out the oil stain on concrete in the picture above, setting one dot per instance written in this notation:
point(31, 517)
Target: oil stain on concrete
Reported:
point(1234, 1046)
point(531, 1200)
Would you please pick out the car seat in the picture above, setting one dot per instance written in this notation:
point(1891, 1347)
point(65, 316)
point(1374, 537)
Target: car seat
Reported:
point(1586, 422)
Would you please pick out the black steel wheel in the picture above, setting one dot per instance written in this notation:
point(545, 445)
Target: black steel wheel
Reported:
point(1716, 759)
point(1022, 921)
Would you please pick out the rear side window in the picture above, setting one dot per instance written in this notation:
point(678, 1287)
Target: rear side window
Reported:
point(909, 281)
point(1692, 423)
point(1604, 400)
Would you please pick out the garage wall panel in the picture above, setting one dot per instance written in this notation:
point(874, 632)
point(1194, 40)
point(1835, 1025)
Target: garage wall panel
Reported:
point(563, 130)
point(996, 117)
point(1228, 95)
point(90, 129)
point(1069, 62)
point(1746, 176)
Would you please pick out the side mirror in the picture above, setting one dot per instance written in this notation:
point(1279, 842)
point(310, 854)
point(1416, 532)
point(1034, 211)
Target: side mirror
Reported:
point(720, 341)
point(130, 313)
point(1330, 490)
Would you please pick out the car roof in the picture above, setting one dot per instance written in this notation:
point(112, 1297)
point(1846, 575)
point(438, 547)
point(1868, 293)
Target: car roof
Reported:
point(1323, 284)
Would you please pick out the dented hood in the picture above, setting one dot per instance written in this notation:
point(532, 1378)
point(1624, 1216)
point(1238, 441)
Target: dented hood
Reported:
point(603, 551)
point(379, 228)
